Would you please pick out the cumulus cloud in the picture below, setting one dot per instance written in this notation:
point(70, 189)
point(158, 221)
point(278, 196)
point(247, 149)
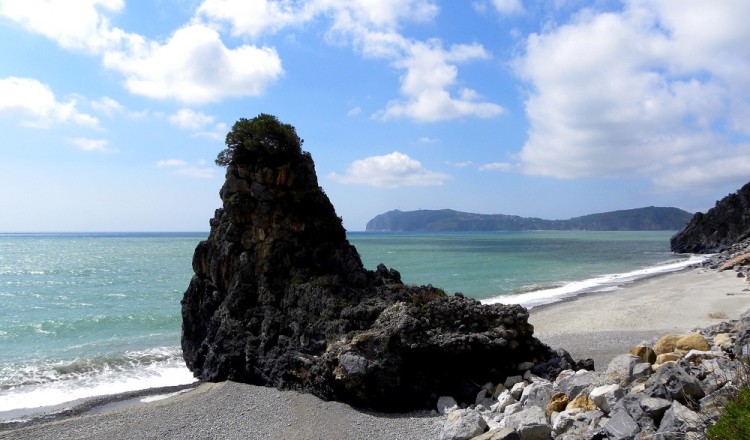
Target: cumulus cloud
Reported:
point(78, 25)
point(93, 145)
point(653, 90)
point(430, 73)
point(37, 105)
point(393, 170)
point(193, 65)
point(429, 89)
point(180, 167)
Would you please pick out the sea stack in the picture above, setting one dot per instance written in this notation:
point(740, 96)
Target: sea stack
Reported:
point(280, 298)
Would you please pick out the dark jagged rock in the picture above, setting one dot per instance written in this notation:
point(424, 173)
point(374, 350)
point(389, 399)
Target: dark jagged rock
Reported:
point(280, 298)
point(722, 226)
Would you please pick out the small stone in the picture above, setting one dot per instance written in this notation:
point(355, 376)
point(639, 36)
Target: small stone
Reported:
point(666, 344)
point(693, 341)
point(517, 390)
point(646, 353)
point(463, 424)
point(499, 434)
point(503, 400)
point(446, 404)
point(582, 402)
point(681, 419)
point(512, 380)
point(557, 403)
point(605, 397)
point(723, 340)
point(621, 425)
point(620, 369)
point(667, 357)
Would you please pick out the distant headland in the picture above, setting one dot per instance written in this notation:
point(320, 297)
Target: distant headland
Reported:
point(640, 219)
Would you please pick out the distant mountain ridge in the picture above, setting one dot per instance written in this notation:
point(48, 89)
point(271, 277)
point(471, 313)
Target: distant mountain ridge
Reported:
point(640, 219)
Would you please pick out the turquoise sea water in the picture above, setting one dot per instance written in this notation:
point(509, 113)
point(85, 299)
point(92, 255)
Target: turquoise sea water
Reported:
point(92, 314)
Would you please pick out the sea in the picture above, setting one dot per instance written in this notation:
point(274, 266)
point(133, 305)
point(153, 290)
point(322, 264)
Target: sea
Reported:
point(87, 315)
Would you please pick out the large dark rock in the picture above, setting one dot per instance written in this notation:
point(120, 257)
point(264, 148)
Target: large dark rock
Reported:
point(722, 226)
point(280, 298)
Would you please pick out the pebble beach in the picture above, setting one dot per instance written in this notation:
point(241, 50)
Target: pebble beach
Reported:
point(600, 326)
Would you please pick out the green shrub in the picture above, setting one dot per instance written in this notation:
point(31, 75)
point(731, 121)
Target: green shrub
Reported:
point(734, 423)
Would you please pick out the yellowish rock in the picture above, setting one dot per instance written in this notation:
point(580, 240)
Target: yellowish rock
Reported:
point(644, 352)
point(693, 341)
point(666, 357)
point(583, 402)
point(723, 340)
point(557, 403)
point(666, 343)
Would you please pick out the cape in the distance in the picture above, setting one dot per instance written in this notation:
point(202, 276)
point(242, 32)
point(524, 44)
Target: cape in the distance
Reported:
point(640, 219)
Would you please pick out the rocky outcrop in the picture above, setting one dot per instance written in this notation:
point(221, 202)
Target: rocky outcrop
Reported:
point(633, 399)
point(280, 298)
point(722, 226)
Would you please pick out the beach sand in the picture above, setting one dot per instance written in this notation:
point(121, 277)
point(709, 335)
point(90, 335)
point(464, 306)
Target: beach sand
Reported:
point(600, 326)
point(603, 325)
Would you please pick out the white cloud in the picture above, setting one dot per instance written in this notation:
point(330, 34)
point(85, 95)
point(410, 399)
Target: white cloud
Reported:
point(195, 66)
point(199, 123)
point(180, 167)
point(190, 119)
point(252, 17)
point(37, 105)
point(496, 166)
point(430, 73)
point(393, 170)
point(508, 7)
point(650, 91)
point(108, 106)
point(428, 86)
point(93, 145)
point(77, 25)
point(428, 140)
point(355, 111)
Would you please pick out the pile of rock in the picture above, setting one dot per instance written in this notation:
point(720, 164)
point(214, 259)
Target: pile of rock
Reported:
point(735, 257)
point(671, 389)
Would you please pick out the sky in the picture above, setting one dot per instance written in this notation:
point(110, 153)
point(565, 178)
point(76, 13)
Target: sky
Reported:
point(113, 111)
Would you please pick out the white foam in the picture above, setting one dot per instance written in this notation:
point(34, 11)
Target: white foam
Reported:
point(603, 283)
point(105, 381)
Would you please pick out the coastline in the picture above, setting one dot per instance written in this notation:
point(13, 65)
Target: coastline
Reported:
point(599, 325)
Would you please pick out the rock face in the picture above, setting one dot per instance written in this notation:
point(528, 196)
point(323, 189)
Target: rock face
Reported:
point(722, 226)
point(280, 298)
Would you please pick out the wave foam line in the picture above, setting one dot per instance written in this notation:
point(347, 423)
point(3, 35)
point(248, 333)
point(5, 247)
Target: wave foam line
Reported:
point(603, 283)
point(60, 387)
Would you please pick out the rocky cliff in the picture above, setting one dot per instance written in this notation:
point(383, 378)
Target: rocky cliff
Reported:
point(722, 226)
point(280, 298)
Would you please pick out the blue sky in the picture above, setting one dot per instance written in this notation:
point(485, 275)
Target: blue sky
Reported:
point(112, 111)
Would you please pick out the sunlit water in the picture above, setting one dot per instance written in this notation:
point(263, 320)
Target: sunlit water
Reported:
point(93, 314)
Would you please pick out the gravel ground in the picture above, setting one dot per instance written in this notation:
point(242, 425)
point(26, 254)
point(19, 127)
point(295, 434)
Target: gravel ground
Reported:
point(599, 326)
point(234, 411)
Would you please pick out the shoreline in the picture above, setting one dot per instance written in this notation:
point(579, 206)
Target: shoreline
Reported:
point(599, 325)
